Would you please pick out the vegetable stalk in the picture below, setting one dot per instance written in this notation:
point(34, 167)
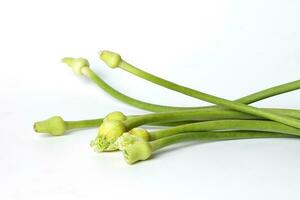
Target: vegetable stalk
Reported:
point(114, 60)
point(57, 126)
point(105, 140)
point(221, 125)
point(90, 74)
point(136, 149)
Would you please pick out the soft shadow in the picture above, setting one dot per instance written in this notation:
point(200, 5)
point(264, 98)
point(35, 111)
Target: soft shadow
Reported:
point(45, 135)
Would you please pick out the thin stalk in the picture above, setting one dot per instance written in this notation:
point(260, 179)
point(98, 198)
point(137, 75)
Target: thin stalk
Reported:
point(207, 136)
point(209, 98)
point(126, 99)
point(270, 92)
point(83, 123)
point(136, 149)
point(57, 126)
point(97, 122)
point(223, 125)
point(199, 115)
point(238, 115)
point(287, 87)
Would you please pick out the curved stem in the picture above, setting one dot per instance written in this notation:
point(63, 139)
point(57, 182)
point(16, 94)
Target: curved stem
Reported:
point(126, 99)
point(240, 125)
point(222, 135)
point(270, 92)
point(159, 108)
point(210, 98)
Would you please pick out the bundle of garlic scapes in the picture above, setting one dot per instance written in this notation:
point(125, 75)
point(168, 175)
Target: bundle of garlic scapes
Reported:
point(227, 120)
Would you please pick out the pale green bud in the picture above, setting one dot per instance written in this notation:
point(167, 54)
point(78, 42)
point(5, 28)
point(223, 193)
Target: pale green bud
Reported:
point(110, 58)
point(77, 64)
point(117, 116)
point(55, 126)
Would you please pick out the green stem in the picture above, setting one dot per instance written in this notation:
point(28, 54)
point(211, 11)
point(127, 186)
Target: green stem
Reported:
point(270, 92)
point(226, 135)
point(57, 126)
point(153, 107)
point(159, 108)
point(238, 125)
point(83, 123)
point(210, 98)
point(97, 122)
point(126, 99)
point(200, 115)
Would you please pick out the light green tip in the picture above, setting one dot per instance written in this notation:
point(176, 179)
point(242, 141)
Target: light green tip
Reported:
point(67, 60)
point(117, 115)
point(77, 64)
point(110, 58)
point(135, 148)
point(55, 126)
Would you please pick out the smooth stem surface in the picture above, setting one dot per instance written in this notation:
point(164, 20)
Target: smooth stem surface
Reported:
point(226, 135)
point(210, 98)
point(97, 122)
point(239, 125)
point(126, 99)
point(172, 118)
point(159, 108)
point(273, 91)
point(199, 115)
point(83, 123)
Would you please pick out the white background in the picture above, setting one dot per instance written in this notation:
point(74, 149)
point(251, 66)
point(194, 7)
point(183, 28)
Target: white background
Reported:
point(227, 48)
